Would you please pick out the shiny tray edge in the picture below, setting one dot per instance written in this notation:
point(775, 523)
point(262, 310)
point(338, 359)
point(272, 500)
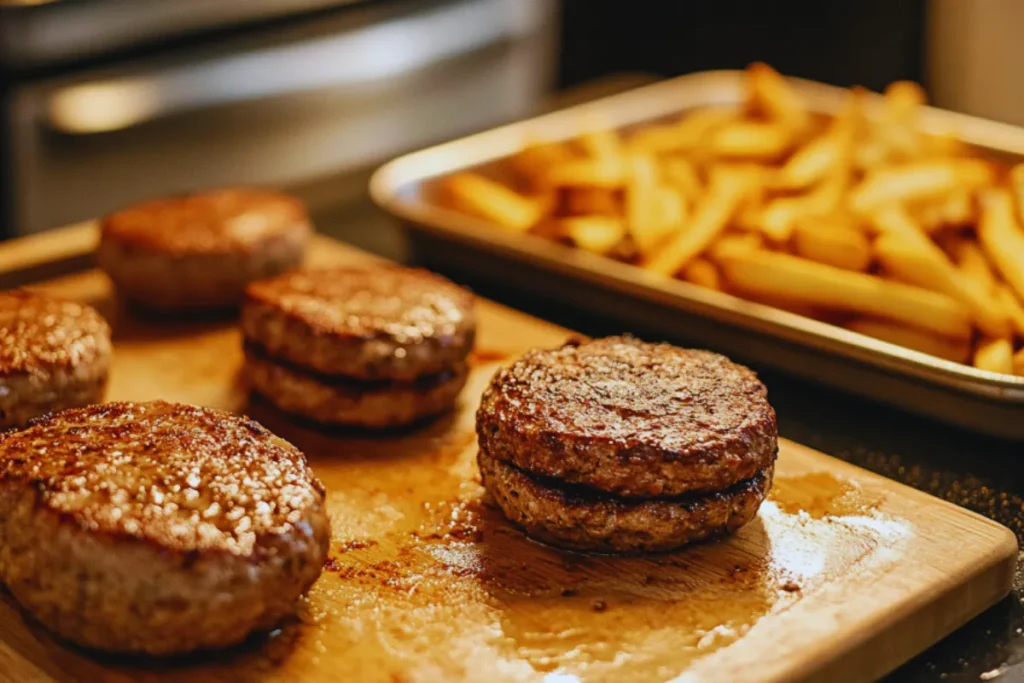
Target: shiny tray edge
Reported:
point(651, 103)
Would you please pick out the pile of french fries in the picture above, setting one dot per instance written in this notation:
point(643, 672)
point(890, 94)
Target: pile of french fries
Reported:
point(860, 219)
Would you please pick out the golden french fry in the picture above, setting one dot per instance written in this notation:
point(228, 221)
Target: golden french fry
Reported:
point(994, 355)
point(919, 181)
point(831, 241)
point(642, 208)
point(1001, 237)
point(956, 350)
point(1017, 187)
point(725, 192)
point(725, 244)
point(588, 173)
point(815, 284)
point(587, 201)
point(603, 145)
point(954, 210)
point(702, 272)
point(768, 92)
point(831, 152)
point(599, 234)
point(1012, 305)
point(972, 263)
point(681, 174)
point(534, 162)
point(920, 262)
point(686, 134)
point(1018, 362)
point(894, 219)
point(751, 140)
point(780, 215)
point(485, 198)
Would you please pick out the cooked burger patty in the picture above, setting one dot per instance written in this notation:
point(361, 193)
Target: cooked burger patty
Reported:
point(630, 418)
point(200, 251)
point(382, 322)
point(53, 355)
point(155, 527)
point(344, 401)
point(573, 516)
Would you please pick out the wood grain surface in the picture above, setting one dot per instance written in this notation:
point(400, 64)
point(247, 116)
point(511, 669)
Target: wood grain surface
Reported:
point(843, 575)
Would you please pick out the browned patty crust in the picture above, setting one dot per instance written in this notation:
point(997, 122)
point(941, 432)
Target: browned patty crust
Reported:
point(200, 251)
point(53, 354)
point(341, 400)
point(376, 322)
point(157, 527)
point(630, 418)
point(224, 221)
point(572, 516)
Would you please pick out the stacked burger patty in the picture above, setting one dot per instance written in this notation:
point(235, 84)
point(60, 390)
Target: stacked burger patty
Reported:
point(617, 445)
point(370, 347)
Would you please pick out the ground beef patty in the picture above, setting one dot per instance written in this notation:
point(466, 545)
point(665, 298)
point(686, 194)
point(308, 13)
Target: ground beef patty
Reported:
point(199, 251)
point(616, 445)
point(157, 528)
point(372, 346)
point(630, 418)
point(53, 355)
point(375, 322)
point(581, 519)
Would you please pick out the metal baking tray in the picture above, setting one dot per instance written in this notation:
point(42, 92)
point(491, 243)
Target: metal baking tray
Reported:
point(760, 334)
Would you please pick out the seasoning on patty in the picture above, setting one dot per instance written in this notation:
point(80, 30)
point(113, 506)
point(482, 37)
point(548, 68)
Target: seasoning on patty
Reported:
point(372, 346)
point(199, 251)
point(622, 446)
point(157, 528)
point(53, 355)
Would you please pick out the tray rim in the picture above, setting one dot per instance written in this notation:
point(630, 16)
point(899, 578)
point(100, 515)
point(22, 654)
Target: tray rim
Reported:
point(648, 103)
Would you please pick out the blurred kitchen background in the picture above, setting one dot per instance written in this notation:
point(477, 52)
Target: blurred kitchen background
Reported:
point(104, 102)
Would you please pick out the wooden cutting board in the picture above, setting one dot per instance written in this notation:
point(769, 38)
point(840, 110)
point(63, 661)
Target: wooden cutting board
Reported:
point(843, 576)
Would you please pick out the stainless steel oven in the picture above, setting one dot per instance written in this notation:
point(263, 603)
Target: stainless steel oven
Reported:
point(282, 104)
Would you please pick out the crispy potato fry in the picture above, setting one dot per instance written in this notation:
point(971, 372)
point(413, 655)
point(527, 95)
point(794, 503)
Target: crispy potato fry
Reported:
point(920, 262)
point(681, 174)
point(602, 145)
point(832, 241)
point(895, 220)
point(599, 234)
point(830, 153)
point(780, 215)
point(734, 243)
point(994, 355)
point(1001, 237)
point(588, 173)
point(956, 350)
point(1014, 308)
point(919, 181)
point(751, 140)
point(769, 93)
point(684, 135)
point(485, 198)
point(702, 272)
point(725, 193)
point(973, 264)
point(954, 210)
point(1018, 362)
point(586, 201)
point(1017, 187)
point(815, 284)
point(534, 162)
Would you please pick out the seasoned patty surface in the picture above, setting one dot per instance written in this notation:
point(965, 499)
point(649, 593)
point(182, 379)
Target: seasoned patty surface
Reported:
point(383, 322)
point(630, 418)
point(157, 527)
point(575, 517)
point(53, 354)
point(226, 221)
